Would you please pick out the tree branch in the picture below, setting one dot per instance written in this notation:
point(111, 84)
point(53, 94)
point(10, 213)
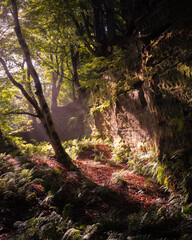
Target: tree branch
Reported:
point(20, 113)
point(81, 33)
point(20, 86)
point(52, 68)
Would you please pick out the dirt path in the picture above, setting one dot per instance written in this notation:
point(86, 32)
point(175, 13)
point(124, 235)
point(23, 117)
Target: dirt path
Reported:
point(96, 164)
point(117, 177)
point(112, 187)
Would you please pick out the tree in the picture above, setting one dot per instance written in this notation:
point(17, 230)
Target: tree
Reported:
point(40, 106)
point(58, 50)
point(99, 27)
point(56, 80)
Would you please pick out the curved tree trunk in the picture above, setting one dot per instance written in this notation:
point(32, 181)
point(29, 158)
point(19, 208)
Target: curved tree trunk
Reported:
point(43, 110)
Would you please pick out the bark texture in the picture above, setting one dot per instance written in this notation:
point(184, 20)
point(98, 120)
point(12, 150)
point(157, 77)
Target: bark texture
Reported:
point(42, 109)
point(99, 27)
point(57, 79)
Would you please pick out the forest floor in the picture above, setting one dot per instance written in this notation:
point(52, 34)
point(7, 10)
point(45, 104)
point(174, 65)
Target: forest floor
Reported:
point(109, 187)
point(102, 171)
point(117, 177)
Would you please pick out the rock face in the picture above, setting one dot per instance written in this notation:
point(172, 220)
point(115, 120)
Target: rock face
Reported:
point(159, 110)
point(142, 117)
point(132, 119)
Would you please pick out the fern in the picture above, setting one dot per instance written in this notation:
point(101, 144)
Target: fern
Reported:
point(120, 151)
point(42, 227)
point(72, 233)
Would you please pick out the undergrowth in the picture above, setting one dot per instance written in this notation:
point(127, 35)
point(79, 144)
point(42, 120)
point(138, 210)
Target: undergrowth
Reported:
point(172, 173)
point(40, 202)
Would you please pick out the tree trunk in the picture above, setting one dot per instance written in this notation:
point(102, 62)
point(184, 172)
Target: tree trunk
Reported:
point(55, 91)
point(109, 6)
point(1, 135)
point(76, 83)
point(57, 79)
point(3, 147)
point(45, 115)
point(99, 27)
point(127, 14)
point(30, 92)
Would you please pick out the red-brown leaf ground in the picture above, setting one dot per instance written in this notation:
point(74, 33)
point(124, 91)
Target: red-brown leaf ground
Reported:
point(134, 187)
point(102, 172)
point(133, 192)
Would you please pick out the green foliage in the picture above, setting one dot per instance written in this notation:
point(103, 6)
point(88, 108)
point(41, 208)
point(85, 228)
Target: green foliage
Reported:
point(8, 106)
point(97, 156)
point(135, 226)
point(51, 28)
point(29, 149)
point(72, 233)
point(55, 204)
point(5, 166)
point(147, 164)
point(45, 226)
point(106, 77)
point(118, 177)
point(120, 151)
point(173, 173)
point(100, 108)
point(17, 186)
point(73, 148)
point(51, 180)
point(178, 122)
point(112, 221)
